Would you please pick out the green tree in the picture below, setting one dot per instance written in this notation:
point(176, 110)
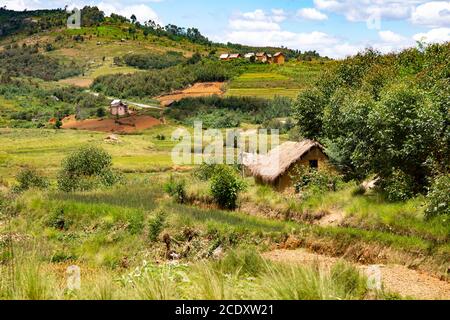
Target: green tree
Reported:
point(226, 186)
point(85, 169)
point(308, 112)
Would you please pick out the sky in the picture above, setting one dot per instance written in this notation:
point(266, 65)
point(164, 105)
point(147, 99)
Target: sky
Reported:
point(335, 28)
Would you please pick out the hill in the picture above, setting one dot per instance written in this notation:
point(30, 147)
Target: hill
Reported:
point(122, 59)
point(142, 227)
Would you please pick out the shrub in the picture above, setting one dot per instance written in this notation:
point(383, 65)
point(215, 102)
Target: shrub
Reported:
point(397, 187)
point(225, 187)
point(176, 189)
point(58, 220)
point(438, 198)
point(100, 112)
point(319, 180)
point(156, 226)
point(29, 178)
point(205, 171)
point(86, 169)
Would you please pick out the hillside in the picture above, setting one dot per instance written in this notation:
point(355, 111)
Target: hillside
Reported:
point(80, 186)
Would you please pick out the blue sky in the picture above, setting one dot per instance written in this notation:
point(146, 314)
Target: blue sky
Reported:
point(333, 27)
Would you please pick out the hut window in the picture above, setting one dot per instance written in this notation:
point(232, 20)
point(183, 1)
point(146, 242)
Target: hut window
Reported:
point(314, 164)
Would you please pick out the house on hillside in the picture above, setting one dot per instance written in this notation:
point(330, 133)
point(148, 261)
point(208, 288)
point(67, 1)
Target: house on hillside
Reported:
point(118, 108)
point(279, 164)
point(234, 56)
point(279, 58)
point(224, 57)
point(262, 57)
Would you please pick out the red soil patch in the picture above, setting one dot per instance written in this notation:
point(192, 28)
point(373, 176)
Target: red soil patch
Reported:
point(203, 89)
point(123, 125)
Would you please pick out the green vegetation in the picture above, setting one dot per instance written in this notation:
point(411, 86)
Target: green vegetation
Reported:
point(269, 81)
point(176, 189)
point(156, 236)
point(28, 178)
point(85, 169)
point(154, 83)
point(27, 61)
point(29, 104)
point(153, 61)
point(382, 114)
point(228, 112)
point(225, 187)
point(438, 201)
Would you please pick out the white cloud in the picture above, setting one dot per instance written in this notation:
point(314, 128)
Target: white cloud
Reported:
point(433, 14)
point(357, 10)
point(311, 14)
point(434, 36)
point(20, 5)
point(278, 15)
point(257, 20)
point(391, 37)
point(141, 11)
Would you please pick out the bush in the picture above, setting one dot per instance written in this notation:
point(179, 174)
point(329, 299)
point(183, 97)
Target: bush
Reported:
point(205, 171)
point(156, 226)
point(309, 178)
point(438, 198)
point(86, 169)
point(176, 189)
point(154, 61)
point(225, 187)
point(29, 178)
point(397, 187)
point(58, 220)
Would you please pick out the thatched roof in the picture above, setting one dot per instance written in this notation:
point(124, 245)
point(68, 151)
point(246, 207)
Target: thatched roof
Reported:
point(279, 160)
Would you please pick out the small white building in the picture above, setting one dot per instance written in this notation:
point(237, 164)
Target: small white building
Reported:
point(118, 108)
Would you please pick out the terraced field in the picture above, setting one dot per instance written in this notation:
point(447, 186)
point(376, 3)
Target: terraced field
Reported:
point(268, 81)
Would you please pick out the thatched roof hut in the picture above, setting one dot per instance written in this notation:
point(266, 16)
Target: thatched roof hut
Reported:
point(277, 166)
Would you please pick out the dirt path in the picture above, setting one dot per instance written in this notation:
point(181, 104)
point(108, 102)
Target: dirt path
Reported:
point(397, 279)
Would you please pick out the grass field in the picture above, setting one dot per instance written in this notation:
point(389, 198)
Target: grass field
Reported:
point(268, 81)
point(44, 149)
point(108, 232)
point(264, 93)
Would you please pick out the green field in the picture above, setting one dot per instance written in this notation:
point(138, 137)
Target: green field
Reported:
point(264, 93)
point(268, 81)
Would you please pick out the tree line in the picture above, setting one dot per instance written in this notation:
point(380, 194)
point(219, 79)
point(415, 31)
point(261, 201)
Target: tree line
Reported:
point(384, 115)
